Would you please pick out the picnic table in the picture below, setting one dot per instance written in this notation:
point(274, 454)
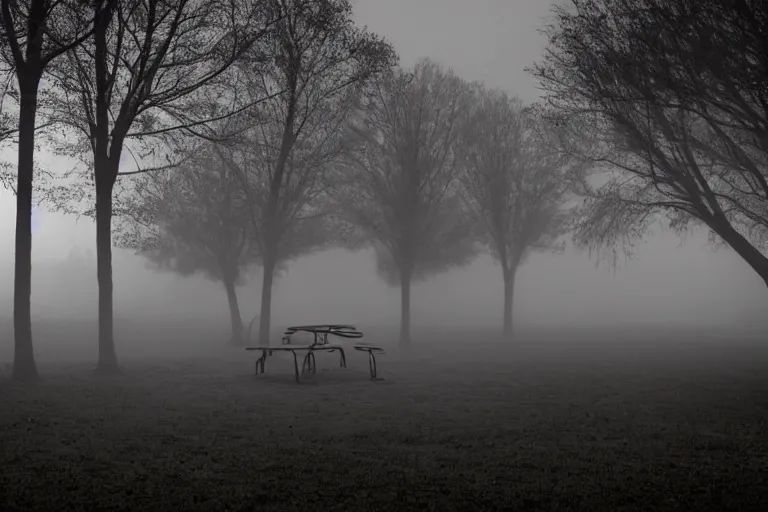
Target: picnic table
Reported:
point(320, 343)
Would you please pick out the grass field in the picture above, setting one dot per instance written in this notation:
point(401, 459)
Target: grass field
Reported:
point(592, 425)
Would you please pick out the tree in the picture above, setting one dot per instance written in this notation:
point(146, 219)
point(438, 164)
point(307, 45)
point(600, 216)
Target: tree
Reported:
point(9, 123)
point(34, 34)
point(400, 186)
point(151, 69)
point(675, 93)
point(321, 61)
point(193, 220)
point(514, 181)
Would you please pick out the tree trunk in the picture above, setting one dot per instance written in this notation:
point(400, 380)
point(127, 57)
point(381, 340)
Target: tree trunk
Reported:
point(24, 367)
point(234, 313)
point(405, 308)
point(742, 246)
point(105, 181)
point(509, 295)
point(266, 301)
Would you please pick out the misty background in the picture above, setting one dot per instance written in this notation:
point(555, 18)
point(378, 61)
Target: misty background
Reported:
point(671, 282)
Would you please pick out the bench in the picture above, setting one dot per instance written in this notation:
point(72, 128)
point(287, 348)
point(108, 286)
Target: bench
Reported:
point(372, 351)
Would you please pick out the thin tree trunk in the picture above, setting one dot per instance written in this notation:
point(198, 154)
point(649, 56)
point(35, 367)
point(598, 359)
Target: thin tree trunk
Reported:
point(266, 301)
point(272, 208)
point(405, 308)
point(107, 357)
point(742, 246)
point(234, 313)
point(509, 295)
point(272, 238)
point(24, 367)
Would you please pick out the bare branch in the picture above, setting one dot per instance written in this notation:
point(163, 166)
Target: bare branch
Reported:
point(399, 187)
point(675, 91)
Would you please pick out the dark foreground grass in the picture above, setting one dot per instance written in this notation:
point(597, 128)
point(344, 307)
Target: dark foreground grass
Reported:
point(545, 427)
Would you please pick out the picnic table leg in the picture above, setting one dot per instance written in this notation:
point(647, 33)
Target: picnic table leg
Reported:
point(342, 358)
point(260, 362)
point(295, 365)
point(372, 363)
point(309, 364)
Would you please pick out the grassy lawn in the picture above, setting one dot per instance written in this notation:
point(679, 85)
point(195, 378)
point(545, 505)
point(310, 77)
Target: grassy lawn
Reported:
point(539, 425)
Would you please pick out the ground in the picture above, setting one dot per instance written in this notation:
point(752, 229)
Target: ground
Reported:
point(541, 424)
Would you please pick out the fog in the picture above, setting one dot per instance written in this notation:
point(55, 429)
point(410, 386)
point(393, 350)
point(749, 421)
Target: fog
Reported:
point(670, 282)
point(635, 387)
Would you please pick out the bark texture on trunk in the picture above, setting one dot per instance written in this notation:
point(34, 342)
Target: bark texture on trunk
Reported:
point(107, 356)
point(234, 313)
point(266, 302)
point(405, 308)
point(24, 366)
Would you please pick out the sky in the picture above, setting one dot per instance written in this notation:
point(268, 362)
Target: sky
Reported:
point(670, 281)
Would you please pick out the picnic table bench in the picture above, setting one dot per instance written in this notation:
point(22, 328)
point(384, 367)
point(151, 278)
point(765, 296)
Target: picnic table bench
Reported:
point(320, 343)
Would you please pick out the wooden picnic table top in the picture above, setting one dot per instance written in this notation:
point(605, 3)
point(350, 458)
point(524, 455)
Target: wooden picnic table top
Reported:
point(342, 331)
point(322, 328)
point(288, 346)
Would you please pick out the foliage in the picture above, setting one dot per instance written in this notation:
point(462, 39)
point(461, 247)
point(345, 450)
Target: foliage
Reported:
point(191, 220)
point(451, 245)
point(41, 29)
point(673, 94)
point(320, 59)
point(154, 74)
point(514, 178)
point(399, 187)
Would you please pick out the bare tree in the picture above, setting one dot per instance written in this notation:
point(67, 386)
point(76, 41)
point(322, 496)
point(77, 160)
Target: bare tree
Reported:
point(9, 121)
point(675, 94)
point(151, 69)
point(34, 33)
point(193, 220)
point(514, 184)
point(400, 187)
point(321, 61)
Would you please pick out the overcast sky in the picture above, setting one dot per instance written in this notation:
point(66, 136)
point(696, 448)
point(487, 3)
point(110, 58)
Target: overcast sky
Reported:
point(488, 40)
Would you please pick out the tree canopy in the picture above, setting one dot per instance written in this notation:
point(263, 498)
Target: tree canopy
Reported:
point(674, 98)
